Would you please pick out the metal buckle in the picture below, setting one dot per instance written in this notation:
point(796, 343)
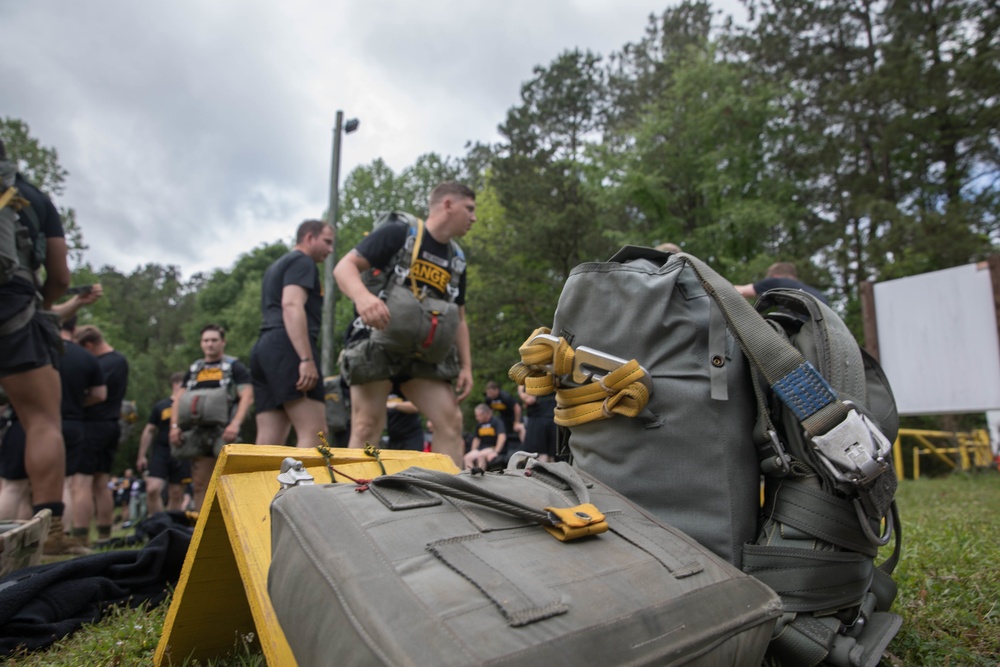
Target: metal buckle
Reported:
point(293, 473)
point(854, 451)
point(589, 365)
point(866, 528)
point(781, 458)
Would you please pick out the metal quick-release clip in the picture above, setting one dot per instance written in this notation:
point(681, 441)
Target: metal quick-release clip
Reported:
point(854, 451)
point(293, 473)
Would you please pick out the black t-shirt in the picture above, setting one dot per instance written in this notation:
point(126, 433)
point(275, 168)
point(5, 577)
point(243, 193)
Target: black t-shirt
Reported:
point(210, 375)
point(293, 268)
point(433, 265)
point(543, 408)
point(17, 294)
point(79, 370)
point(160, 418)
point(115, 368)
point(401, 425)
point(791, 283)
point(503, 407)
point(489, 431)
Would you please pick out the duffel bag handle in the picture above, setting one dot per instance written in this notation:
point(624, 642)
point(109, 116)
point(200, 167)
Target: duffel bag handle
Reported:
point(563, 522)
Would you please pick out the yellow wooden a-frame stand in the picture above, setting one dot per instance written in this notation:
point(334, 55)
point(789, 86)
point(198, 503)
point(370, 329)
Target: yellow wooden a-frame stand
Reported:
point(222, 591)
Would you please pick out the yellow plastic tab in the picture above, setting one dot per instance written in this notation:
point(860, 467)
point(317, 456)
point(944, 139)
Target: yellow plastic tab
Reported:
point(575, 522)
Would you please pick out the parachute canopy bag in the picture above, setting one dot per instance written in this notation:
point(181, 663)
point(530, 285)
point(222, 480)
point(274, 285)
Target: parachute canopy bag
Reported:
point(421, 325)
point(688, 457)
point(825, 421)
point(539, 565)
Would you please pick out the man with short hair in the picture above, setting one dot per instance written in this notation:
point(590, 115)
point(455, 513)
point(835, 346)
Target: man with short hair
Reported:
point(164, 469)
point(368, 363)
point(488, 441)
point(508, 409)
point(779, 274)
point(209, 407)
point(287, 385)
point(102, 430)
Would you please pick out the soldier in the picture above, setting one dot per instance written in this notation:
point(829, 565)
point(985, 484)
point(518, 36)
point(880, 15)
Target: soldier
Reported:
point(224, 392)
point(422, 259)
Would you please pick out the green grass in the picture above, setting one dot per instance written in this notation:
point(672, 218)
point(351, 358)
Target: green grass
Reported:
point(949, 590)
point(949, 587)
point(128, 638)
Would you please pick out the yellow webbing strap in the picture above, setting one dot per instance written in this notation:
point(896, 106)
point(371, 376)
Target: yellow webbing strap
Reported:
point(620, 392)
point(575, 522)
point(413, 258)
point(7, 196)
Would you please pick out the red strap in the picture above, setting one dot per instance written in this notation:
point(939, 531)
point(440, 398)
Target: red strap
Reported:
point(194, 405)
point(430, 334)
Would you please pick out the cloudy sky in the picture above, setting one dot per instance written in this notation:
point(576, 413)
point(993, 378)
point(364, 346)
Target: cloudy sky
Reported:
point(195, 131)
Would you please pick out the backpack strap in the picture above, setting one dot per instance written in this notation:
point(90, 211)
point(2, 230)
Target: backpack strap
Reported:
point(851, 446)
point(407, 256)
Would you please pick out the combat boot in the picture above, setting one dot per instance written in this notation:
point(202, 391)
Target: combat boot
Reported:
point(21, 542)
point(61, 544)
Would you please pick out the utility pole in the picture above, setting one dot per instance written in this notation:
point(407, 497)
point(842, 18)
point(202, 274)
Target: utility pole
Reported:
point(329, 285)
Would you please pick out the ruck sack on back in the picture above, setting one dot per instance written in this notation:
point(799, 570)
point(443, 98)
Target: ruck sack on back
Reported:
point(539, 565)
point(22, 244)
point(730, 396)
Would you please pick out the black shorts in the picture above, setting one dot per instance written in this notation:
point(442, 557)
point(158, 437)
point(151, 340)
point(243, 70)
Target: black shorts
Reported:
point(34, 345)
point(12, 451)
point(164, 466)
point(274, 367)
point(101, 438)
point(413, 442)
point(74, 435)
point(540, 436)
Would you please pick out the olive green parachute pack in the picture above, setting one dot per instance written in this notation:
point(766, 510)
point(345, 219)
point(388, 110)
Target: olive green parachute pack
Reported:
point(22, 244)
point(676, 392)
point(422, 325)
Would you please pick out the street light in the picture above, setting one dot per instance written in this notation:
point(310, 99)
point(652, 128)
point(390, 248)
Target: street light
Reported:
point(330, 287)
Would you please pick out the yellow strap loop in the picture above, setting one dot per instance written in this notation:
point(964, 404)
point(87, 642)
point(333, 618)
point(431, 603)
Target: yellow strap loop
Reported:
point(620, 392)
point(413, 259)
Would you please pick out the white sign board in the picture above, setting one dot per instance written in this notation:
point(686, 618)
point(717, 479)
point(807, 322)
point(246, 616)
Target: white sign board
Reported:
point(937, 340)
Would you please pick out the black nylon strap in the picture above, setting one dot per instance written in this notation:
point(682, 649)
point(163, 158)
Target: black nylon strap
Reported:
point(818, 513)
point(809, 580)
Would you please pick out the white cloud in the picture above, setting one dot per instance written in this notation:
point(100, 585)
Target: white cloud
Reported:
point(195, 131)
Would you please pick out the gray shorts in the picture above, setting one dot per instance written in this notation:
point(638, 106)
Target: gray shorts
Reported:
point(366, 361)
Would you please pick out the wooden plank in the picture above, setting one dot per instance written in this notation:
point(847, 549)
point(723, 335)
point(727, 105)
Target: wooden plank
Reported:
point(222, 591)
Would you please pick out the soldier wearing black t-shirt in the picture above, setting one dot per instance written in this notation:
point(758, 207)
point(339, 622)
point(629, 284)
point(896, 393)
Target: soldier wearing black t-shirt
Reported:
point(102, 431)
point(489, 440)
point(29, 354)
point(508, 409)
point(403, 423)
point(154, 455)
point(201, 442)
point(779, 274)
point(369, 367)
point(540, 433)
point(287, 385)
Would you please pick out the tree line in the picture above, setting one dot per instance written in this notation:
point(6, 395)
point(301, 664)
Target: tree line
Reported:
point(855, 138)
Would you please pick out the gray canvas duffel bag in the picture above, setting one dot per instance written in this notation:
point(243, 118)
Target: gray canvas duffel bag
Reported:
point(428, 568)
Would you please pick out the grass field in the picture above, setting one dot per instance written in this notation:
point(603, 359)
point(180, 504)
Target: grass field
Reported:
point(949, 590)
